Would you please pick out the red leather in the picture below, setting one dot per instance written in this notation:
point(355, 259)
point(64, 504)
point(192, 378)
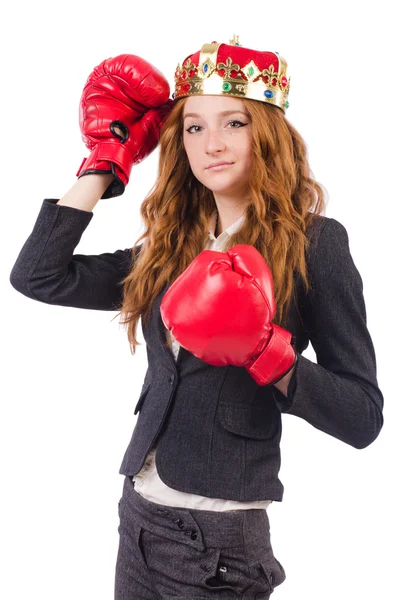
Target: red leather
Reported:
point(220, 309)
point(129, 92)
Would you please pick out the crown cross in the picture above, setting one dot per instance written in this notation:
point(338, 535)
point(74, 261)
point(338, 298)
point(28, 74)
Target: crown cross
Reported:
point(234, 41)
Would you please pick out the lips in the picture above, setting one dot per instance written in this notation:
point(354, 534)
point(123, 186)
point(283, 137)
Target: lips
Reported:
point(219, 164)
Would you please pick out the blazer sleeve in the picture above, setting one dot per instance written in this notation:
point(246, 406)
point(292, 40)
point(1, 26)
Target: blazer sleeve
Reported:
point(47, 270)
point(339, 395)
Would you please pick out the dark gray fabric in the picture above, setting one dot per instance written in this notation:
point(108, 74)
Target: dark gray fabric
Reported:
point(217, 432)
point(169, 553)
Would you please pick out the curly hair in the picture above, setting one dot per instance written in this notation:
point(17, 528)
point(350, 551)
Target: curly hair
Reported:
point(284, 197)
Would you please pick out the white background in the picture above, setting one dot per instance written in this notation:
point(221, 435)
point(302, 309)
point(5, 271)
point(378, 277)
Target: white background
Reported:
point(69, 382)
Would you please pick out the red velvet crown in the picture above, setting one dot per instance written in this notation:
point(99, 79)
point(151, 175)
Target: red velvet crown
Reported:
point(231, 70)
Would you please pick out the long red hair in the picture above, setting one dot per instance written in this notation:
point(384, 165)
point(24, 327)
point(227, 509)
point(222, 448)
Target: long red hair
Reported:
point(284, 199)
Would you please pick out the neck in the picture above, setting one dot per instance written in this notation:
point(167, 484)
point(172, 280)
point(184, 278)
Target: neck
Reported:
point(228, 213)
point(224, 221)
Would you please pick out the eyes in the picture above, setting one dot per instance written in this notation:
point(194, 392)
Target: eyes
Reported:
point(240, 124)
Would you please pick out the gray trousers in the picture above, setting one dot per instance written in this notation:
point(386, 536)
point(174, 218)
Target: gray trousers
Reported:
point(167, 552)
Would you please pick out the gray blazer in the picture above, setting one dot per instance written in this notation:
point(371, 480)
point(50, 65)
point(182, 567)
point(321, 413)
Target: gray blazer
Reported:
point(217, 432)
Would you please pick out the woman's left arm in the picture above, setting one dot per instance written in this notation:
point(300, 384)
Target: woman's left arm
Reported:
point(339, 395)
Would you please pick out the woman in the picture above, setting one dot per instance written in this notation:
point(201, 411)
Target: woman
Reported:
point(237, 272)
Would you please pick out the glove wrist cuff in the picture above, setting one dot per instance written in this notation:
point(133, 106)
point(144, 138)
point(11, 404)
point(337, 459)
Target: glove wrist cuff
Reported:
point(276, 360)
point(109, 157)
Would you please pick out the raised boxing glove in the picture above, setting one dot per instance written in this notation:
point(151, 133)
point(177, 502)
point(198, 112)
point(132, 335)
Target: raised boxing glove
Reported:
point(129, 93)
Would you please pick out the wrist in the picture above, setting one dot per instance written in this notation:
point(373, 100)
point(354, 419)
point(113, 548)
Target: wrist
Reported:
point(86, 191)
point(283, 383)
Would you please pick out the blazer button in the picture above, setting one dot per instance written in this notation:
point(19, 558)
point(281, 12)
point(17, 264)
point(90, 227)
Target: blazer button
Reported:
point(179, 522)
point(162, 511)
point(171, 379)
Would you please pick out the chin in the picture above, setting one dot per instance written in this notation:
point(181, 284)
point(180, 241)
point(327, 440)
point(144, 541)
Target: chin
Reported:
point(230, 188)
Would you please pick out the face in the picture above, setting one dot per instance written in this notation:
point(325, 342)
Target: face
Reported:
point(218, 129)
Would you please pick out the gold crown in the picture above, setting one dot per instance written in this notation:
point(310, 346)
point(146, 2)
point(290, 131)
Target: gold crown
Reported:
point(231, 70)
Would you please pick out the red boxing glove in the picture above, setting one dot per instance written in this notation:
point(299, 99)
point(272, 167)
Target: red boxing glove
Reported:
point(130, 93)
point(220, 309)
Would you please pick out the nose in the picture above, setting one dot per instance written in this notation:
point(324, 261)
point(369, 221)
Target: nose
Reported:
point(214, 141)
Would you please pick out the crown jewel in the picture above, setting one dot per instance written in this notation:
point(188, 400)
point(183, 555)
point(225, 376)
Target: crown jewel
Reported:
point(231, 70)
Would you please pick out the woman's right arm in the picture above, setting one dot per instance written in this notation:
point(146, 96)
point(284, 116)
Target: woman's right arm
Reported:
point(46, 268)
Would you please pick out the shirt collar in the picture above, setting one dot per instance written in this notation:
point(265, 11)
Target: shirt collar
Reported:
point(225, 234)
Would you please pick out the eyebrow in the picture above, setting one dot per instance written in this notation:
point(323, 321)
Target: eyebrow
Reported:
point(225, 112)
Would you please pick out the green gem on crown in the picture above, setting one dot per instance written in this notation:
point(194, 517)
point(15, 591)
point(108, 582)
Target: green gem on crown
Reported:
point(286, 104)
point(226, 87)
point(251, 71)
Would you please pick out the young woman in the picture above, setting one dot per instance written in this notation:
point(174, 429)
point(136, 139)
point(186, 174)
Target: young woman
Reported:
point(237, 272)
